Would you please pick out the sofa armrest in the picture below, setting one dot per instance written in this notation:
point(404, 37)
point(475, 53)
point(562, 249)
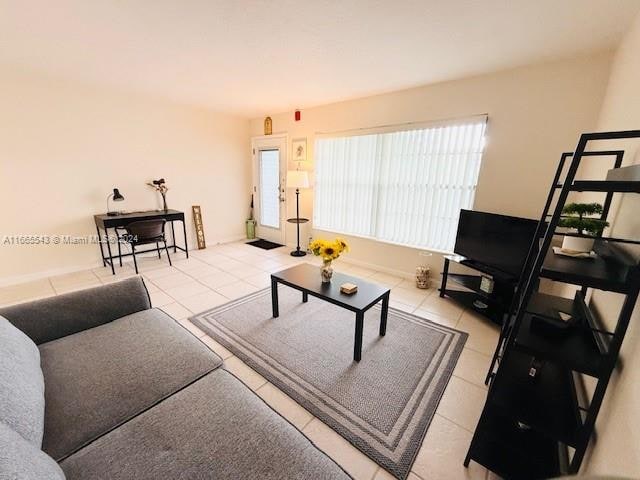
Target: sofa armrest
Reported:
point(56, 317)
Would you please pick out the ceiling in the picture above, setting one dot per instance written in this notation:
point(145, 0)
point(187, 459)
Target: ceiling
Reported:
point(253, 57)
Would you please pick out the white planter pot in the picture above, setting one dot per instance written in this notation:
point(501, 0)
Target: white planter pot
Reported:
point(577, 244)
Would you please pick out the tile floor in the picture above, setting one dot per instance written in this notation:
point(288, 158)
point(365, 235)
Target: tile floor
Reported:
point(218, 274)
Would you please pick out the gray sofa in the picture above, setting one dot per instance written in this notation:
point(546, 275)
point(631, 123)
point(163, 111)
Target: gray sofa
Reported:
point(98, 385)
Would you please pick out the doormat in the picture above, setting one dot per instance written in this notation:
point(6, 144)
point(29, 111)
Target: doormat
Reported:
point(264, 244)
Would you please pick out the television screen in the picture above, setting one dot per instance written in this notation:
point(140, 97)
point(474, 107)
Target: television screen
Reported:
point(497, 241)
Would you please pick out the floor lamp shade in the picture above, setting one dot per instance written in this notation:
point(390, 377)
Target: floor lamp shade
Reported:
point(297, 179)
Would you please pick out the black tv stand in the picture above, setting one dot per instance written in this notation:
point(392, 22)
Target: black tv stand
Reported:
point(494, 305)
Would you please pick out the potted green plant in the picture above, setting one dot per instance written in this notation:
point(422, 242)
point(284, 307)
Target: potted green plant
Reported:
point(578, 217)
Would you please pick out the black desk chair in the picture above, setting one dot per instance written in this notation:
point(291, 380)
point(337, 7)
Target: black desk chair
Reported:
point(144, 232)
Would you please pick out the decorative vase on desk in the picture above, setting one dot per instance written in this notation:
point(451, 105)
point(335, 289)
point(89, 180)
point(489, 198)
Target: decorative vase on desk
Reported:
point(161, 188)
point(329, 251)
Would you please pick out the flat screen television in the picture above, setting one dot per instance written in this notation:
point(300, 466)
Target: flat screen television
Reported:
point(499, 242)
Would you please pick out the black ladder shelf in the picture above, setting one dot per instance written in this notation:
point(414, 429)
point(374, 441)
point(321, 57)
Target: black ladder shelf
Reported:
point(538, 418)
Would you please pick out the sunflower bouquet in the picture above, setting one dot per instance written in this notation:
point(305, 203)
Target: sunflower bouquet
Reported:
point(328, 250)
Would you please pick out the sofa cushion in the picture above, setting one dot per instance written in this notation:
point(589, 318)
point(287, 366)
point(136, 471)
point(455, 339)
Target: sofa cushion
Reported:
point(215, 428)
point(21, 384)
point(58, 316)
point(99, 378)
point(21, 460)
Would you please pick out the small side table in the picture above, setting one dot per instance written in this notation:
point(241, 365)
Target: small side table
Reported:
point(298, 252)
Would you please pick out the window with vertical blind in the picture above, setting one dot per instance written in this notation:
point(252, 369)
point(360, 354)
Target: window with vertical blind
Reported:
point(404, 185)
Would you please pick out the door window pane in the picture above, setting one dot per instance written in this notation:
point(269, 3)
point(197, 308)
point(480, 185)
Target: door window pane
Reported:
point(270, 188)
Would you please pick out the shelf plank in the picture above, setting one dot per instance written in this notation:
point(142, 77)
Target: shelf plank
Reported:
point(547, 403)
point(495, 273)
point(605, 238)
point(630, 173)
point(575, 349)
point(605, 186)
point(512, 452)
point(602, 272)
point(493, 311)
point(546, 305)
point(471, 282)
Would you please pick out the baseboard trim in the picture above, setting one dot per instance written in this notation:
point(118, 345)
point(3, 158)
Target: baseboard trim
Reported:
point(222, 241)
point(379, 268)
point(30, 277)
point(17, 279)
point(370, 266)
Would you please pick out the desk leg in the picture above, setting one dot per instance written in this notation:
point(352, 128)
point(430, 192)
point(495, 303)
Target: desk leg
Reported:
point(173, 236)
point(104, 264)
point(384, 313)
point(274, 298)
point(106, 231)
point(184, 231)
point(305, 297)
point(357, 348)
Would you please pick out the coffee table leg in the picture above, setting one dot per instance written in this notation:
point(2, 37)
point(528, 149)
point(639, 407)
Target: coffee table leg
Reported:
point(274, 298)
point(384, 313)
point(357, 349)
point(305, 297)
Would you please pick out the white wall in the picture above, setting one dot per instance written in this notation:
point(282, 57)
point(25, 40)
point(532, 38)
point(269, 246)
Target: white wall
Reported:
point(65, 145)
point(535, 113)
point(617, 450)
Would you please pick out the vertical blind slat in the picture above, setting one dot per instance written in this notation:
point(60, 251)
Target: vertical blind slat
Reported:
point(403, 187)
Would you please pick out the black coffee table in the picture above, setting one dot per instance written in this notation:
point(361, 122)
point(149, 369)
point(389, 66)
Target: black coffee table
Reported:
point(306, 278)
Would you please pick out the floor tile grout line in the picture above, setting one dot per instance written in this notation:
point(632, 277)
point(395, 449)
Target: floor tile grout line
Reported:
point(469, 381)
point(261, 385)
point(308, 421)
point(414, 473)
point(478, 351)
point(52, 287)
point(453, 421)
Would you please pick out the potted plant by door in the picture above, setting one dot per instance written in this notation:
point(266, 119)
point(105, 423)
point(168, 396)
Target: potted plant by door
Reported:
point(577, 216)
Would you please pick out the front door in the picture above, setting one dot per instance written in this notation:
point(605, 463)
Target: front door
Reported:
point(269, 194)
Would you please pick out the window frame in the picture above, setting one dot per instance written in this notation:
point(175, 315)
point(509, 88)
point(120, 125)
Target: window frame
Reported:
point(402, 127)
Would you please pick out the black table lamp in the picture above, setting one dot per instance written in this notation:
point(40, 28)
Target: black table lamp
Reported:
point(117, 197)
point(297, 179)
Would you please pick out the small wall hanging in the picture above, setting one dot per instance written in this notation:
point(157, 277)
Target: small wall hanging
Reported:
point(299, 150)
point(268, 126)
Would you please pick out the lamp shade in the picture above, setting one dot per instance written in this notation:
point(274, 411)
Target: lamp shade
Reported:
point(117, 196)
point(297, 179)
